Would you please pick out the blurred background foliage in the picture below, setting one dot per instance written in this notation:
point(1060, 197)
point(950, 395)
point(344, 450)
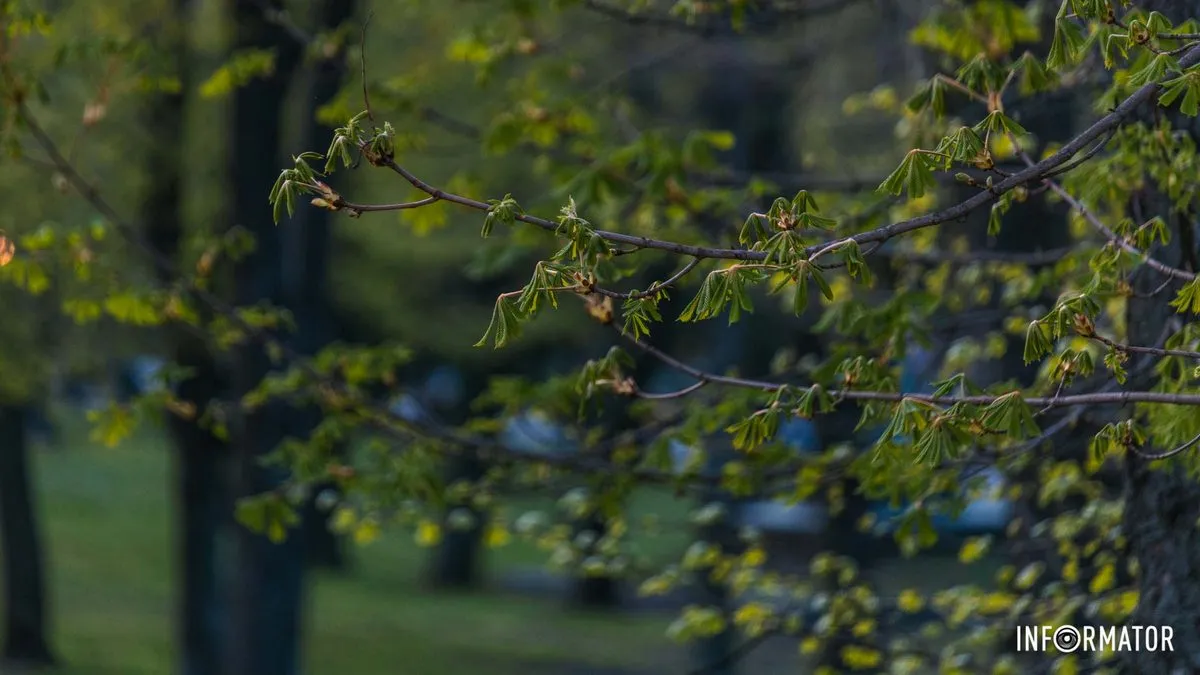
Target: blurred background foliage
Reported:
point(663, 130)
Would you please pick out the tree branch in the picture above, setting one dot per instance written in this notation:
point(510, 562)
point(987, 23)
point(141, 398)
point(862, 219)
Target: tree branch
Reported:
point(777, 17)
point(656, 288)
point(1049, 402)
point(1035, 172)
point(1135, 349)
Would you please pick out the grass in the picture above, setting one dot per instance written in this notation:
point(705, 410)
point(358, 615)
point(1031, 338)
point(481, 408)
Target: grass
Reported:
point(107, 517)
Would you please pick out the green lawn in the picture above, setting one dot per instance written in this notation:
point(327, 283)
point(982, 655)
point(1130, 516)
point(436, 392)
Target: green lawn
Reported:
point(107, 518)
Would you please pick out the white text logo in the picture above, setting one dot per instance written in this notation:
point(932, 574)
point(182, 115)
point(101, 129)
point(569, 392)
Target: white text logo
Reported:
point(1067, 639)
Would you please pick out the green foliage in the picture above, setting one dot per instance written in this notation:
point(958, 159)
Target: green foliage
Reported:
point(1185, 89)
point(241, 68)
point(724, 289)
point(270, 514)
point(915, 175)
point(502, 212)
point(505, 324)
point(112, 424)
point(1068, 44)
point(635, 197)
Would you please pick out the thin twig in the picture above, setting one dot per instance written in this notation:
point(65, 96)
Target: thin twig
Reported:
point(362, 62)
point(655, 288)
point(364, 208)
point(1095, 222)
point(1153, 351)
point(664, 396)
point(1167, 453)
point(1033, 173)
point(373, 416)
point(1073, 400)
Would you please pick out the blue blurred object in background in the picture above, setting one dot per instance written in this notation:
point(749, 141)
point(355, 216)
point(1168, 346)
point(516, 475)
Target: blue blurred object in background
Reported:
point(406, 407)
point(532, 431)
point(988, 513)
point(144, 371)
point(444, 388)
point(800, 435)
point(772, 515)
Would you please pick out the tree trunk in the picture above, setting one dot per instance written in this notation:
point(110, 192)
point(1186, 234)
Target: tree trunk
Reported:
point(305, 280)
point(752, 106)
point(594, 592)
point(268, 577)
point(1162, 501)
point(716, 655)
point(197, 485)
point(456, 562)
point(1161, 509)
point(25, 604)
point(201, 503)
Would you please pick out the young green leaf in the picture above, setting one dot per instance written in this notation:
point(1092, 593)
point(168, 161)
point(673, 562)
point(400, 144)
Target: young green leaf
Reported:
point(998, 123)
point(1037, 342)
point(1185, 89)
point(502, 212)
point(914, 175)
point(963, 145)
point(639, 313)
point(1188, 298)
point(1011, 415)
point(505, 324)
point(1154, 70)
point(1068, 44)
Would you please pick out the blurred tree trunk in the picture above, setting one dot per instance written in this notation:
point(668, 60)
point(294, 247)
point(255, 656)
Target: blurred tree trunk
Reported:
point(457, 561)
point(594, 591)
point(1162, 499)
point(1030, 226)
point(197, 486)
point(752, 102)
point(268, 577)
point(715, 655)
point(26, 641)
point(306, 256)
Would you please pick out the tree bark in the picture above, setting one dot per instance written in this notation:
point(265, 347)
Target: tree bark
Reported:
point(1161, 510)
point(26, 640)
point(457, 560)
point(196, 484)
point(717, 654)
point(1162, 501)
point(735, 98)
point(306, 244)
point(268, 579)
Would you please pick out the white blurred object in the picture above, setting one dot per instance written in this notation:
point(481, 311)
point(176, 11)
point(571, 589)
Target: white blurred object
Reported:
point(991, 511)
point(767, 515)
point(533, 431)
point(406, 407)
point(771, 516)
point(145, 372)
